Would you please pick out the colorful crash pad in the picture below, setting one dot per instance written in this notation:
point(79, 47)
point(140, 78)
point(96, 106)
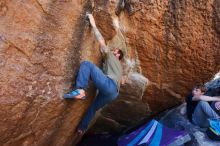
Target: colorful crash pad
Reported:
point(154, 134)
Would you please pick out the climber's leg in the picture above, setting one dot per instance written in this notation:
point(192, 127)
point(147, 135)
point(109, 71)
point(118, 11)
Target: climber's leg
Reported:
point(89, 71)
point(202, 113)
point(100, 100)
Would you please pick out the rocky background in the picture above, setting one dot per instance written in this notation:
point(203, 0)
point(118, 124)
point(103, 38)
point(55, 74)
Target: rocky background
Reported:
point(173, 43)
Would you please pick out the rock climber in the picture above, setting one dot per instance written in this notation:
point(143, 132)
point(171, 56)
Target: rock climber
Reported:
point(107, 81)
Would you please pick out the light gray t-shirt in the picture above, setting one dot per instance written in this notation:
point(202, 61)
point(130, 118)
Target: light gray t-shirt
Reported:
point(112, 68)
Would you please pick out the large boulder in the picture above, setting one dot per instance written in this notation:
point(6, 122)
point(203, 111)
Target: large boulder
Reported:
point(177, 44)
point(174, 44)
point(40, 50)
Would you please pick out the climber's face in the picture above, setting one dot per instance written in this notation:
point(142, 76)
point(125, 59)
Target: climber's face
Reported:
point(197, 92)
point(116, 52)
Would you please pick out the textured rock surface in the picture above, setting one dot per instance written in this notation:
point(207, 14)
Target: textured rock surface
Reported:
point(40, 44)
point(43, 41)
point(178, 45)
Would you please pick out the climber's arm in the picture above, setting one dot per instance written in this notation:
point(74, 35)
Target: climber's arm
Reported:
point(99, 37)
point(206, 98)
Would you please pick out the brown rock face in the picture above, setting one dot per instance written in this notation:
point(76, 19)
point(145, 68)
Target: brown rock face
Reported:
point(40, 45)
point(175, 44)
point(178, 45)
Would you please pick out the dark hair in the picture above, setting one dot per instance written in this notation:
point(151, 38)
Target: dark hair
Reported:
point(121, 54)
point(201, 87)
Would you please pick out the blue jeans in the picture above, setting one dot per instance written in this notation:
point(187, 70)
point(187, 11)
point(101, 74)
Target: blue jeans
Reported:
point(202, 113)
point(107, 89)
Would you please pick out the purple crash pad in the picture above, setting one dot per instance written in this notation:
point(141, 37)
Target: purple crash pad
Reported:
point(154, 134)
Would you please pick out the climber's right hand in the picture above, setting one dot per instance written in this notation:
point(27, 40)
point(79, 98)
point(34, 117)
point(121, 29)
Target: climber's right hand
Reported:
point(91, 19)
